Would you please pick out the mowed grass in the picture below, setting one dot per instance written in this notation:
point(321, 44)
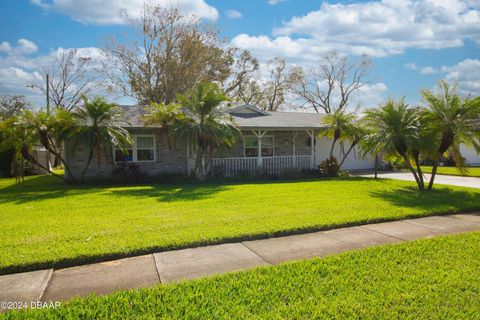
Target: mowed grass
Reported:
point(453, 171)
point(45, 223)
point(427, 279)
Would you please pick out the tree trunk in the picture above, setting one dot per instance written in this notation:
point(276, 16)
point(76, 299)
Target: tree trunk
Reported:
point(419, 170)
point(199, 163)
point(333, 147)
point(412, 170)
point(432, 177)
point(89, 161)
point(346, 155)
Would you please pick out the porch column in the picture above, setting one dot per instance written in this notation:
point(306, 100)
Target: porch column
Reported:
point(311, 134)
point(259, 134)
point(294, 136)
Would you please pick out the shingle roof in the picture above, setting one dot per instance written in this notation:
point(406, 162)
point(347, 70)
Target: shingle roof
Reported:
point(246, 117)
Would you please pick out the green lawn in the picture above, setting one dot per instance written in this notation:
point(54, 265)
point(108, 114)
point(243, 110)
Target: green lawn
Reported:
point(453, 171)
point(426, 279)
point(45, 223)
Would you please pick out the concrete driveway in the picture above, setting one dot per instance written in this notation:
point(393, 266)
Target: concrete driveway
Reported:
point(439, 179)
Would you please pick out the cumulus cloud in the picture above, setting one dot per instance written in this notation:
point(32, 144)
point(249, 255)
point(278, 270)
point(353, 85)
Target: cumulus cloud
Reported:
point(23, 47)
point(376, 28)
point(19, 69)
point(234, 14)
point(467, 76)
point(108, 12)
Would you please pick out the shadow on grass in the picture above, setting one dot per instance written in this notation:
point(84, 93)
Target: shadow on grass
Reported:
point(46, 187)
point(38, 188)
point(172, 193)
point(442, 199)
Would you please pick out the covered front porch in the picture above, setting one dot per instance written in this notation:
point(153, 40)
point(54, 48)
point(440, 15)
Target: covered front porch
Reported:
point(272, 152)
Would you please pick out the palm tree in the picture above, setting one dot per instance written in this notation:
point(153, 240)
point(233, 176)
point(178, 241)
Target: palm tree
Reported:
point(50, 130)
point(207, 122)
point(457, 122)
point(395, 129)
point(353, 134)
point(167, 117)
point(337, 124)
point(100, 127)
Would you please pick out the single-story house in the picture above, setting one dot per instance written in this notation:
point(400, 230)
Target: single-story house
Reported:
point(270, 142)
point(472, 158)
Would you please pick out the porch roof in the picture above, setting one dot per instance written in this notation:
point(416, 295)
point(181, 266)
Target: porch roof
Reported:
point(280, 121)
point(247, 117)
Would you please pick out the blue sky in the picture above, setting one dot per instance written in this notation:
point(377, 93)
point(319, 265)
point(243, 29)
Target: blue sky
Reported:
point(413, 43)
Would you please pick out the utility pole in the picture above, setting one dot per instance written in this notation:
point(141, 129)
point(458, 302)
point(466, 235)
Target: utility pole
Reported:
point(376, 166)
point(48, 96)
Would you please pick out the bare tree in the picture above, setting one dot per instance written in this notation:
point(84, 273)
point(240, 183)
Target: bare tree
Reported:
point(243, 86)
point(11, 106)
point(267, 91)
point(70, 77)
point(330, 86)
point(277, 84)
point(166, 55)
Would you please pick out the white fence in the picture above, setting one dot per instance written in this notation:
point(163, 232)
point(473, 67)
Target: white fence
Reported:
point(270, 165)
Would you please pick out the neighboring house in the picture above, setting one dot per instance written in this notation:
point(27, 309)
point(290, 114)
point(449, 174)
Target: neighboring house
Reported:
point(472, 158)
point(43, 157)
point(271, 142)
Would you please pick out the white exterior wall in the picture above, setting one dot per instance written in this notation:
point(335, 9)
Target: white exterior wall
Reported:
point(354, 160)
point(470, 155)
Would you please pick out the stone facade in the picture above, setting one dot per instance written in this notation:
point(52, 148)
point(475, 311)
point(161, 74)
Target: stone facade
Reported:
point(181, 159)
point(172, 161)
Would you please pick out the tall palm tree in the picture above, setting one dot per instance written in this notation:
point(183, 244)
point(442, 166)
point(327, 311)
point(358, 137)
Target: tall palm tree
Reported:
point(395, 129)
point(205, 120)
point(167, 117)
point(100, 125)
point(455, 119)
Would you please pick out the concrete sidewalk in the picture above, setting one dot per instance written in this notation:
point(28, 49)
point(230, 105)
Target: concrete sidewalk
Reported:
point(170, 266)
point(459, 181)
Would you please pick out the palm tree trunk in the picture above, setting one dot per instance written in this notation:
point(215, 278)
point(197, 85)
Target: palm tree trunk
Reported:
point(333, 147)
point(346, 155)
point(419, 170)
point(199, 163)
point(432, 177)
point(89, 160)
point(412, 170)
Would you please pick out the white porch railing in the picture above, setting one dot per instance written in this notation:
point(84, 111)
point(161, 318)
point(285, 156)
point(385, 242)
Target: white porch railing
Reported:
point(278, 165)
point(234, 166)
point(269, 165)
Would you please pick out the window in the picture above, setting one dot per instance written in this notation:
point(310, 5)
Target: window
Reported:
point(251, 146)
point(141, 150)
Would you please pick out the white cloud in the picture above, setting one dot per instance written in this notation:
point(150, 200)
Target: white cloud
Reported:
point(108, 12)
point(411, 66)
point(376, 28)
point(428, 70)
point(5, 47)
point(370, 95)
point(234, 14)
point(18, 69)
point(274, 2)
point(467, 76)
point(24, 46)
